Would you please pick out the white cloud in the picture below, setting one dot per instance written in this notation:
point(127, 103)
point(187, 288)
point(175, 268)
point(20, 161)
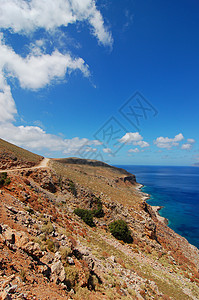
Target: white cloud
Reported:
point(168, 143)
point(40, 68)
point(107, 150)
point(136, 150)
point(142, 144)
point(131, 137)
point(25, 17)
point(34, 138)
point(134, 138)
point(36, 71)
point(191, 141)
point(178, 138)
point(7, 104)
point(186, 146)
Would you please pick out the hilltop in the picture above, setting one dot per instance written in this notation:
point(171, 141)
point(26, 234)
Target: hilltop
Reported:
point(12, 156)
point(49, 251)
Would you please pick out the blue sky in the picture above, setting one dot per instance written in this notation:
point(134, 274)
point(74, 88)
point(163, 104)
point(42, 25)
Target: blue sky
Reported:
point(111, 80)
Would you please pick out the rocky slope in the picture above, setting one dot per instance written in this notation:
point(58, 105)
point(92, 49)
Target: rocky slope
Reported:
point(12, 156)
point(48, 252)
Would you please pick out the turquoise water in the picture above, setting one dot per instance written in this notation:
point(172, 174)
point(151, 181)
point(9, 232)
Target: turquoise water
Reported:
point(177, 189)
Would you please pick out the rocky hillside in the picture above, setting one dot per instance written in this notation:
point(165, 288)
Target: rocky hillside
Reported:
point(49, 249)
point(12, 156)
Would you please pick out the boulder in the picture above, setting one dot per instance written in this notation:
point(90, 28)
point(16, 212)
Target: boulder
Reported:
point(5, 296)
point(33, 249)
point(9, 236)
point(58, 272)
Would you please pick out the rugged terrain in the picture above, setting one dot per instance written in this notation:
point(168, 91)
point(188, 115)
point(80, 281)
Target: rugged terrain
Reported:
point(48, 252)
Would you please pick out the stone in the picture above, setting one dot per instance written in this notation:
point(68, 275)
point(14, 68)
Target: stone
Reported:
point(112, 258)
point(8, 280)
point(58, 272)
point(45, 270)
point(47, 258)
point(9, 236)
point(11, 289)
point(33, 249)
point(70, 260)
point(5, 296)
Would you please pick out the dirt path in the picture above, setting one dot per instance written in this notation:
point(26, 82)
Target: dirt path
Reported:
point(43, 164)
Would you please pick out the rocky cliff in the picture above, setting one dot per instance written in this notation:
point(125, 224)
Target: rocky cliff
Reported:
point(49, 252)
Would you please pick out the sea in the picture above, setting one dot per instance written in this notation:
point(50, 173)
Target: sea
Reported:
point(177, 190)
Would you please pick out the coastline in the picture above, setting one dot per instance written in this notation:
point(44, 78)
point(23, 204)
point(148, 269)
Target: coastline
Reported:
point(156, 209)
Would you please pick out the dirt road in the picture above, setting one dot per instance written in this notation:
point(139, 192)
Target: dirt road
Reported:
point(43, 164)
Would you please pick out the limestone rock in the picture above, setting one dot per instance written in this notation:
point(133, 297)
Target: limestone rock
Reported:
point(58, 272)
point(5, 296)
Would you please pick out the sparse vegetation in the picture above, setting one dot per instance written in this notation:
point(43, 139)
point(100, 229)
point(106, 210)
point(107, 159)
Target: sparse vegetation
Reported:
point(48, 228)
point(72, 276)
point(98, 213)
point(4, 179)
point(72, 188)
point(120, 231)
point(18, 154)
point(86, 215)
point(65, 252)
point(50, 245)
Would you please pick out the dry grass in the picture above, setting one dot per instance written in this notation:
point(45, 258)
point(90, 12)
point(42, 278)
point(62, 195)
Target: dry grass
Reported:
point(19, 153)
point(99, 179)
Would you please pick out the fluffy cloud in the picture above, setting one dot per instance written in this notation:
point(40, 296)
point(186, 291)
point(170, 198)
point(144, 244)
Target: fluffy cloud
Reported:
point(40, 68)
point(168, 143)
point(107, 150)
point(7, 104)
point(25, 17)
point(142, 144)
point(131, 137)
point(136, 150)
point(134, 138)
point(36, 71)
point(35, 138)
point(191, 141)
point(186, 146)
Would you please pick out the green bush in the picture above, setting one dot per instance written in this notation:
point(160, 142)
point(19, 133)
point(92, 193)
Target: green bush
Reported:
point(48, 228)
point(72, 188)
point(50, 245)
point(4, 179)
point(86, 215)
point(72, 276)
point(98, 213)
point(120, 231)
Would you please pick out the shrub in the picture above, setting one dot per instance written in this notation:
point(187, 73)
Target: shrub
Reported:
point(120, 231)
point(48, 228)
point(72, 188)
point(65, 252)
point(98, 213)
point(50, 245)
point(4, 179)
point(72, 276)
point(86, 215)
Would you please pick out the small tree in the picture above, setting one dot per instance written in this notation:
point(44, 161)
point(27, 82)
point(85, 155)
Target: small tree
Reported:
point(4, 179)
point(120, 231)
point(86, 215)
point(98, 212)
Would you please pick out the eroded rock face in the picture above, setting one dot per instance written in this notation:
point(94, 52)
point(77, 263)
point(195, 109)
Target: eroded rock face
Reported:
point(45, 180)
point(10, 161)
point(131, 179)
point(58, 272)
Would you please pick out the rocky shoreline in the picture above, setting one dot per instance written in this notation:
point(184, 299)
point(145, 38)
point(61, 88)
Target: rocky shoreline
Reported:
point(156, 209)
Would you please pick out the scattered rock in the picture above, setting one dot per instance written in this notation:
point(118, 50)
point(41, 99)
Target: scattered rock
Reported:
point(5, 296)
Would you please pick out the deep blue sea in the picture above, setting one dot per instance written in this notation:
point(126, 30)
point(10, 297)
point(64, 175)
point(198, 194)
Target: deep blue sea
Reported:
point(177, 189)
